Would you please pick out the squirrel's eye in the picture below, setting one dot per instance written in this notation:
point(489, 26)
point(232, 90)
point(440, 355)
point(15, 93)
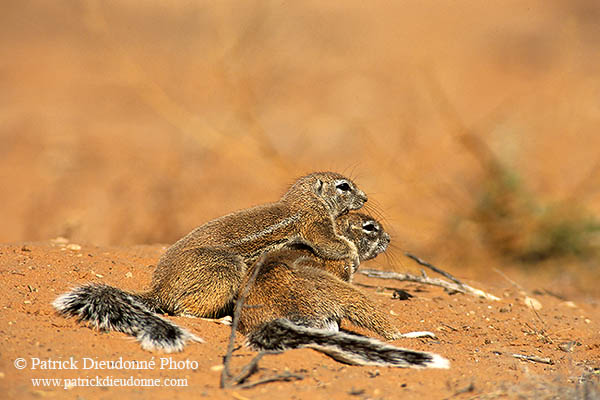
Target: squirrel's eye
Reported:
point(370, 227)
point(343, 186)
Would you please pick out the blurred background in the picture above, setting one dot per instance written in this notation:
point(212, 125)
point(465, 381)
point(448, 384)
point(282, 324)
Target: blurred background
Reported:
point(473, 126)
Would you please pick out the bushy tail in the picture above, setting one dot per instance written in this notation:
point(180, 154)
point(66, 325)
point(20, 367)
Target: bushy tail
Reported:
point(110, 308)
point(282, 334)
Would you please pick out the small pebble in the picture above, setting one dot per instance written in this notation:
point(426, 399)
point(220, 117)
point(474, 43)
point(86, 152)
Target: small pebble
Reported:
point(567, 347)
point(532, 303)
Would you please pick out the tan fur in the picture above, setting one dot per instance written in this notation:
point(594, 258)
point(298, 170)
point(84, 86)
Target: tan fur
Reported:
point(201, 274)
point(365, 233)
point(296, 284)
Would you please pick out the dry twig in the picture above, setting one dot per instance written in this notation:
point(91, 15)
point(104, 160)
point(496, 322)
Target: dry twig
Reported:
point(227, 380)
point(286, 377)
point(515, 284)
point(433, 268)
point(456, 285)
point(373, 273)
point(543, 360)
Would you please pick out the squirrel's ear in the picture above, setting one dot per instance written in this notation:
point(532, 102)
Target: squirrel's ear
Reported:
point(319, 187)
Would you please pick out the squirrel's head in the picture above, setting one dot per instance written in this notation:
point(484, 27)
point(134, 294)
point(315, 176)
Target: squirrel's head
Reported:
point(365, 232)
point(338, 193)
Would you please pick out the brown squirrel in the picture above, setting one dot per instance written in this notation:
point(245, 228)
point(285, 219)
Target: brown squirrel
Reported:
point(201, 274)
point(298, 300)
point(296, 284)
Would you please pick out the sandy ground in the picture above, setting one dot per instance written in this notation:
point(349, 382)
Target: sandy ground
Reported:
point(124, 125)
point(478, 336)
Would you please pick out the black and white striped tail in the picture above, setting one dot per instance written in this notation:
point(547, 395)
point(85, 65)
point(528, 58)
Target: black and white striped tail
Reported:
point(109, 308)
point(282, 334)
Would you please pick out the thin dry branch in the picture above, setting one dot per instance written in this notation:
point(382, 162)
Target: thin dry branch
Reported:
point(227, 380)
point(286, 377)
point(247, 370)
point(543, 360)
point(515, 284)
point(373, 273)
point(433, 268)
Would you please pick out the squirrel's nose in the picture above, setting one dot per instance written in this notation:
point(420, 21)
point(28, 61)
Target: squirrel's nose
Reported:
point(362, 196)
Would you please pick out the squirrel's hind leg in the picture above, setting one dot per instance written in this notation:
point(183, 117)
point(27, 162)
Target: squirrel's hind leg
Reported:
point(205, 285)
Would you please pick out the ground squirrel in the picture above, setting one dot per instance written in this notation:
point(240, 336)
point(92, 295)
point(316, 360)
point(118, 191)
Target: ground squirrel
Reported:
point(298, 300)
point(200, 274)
point(296, 284)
